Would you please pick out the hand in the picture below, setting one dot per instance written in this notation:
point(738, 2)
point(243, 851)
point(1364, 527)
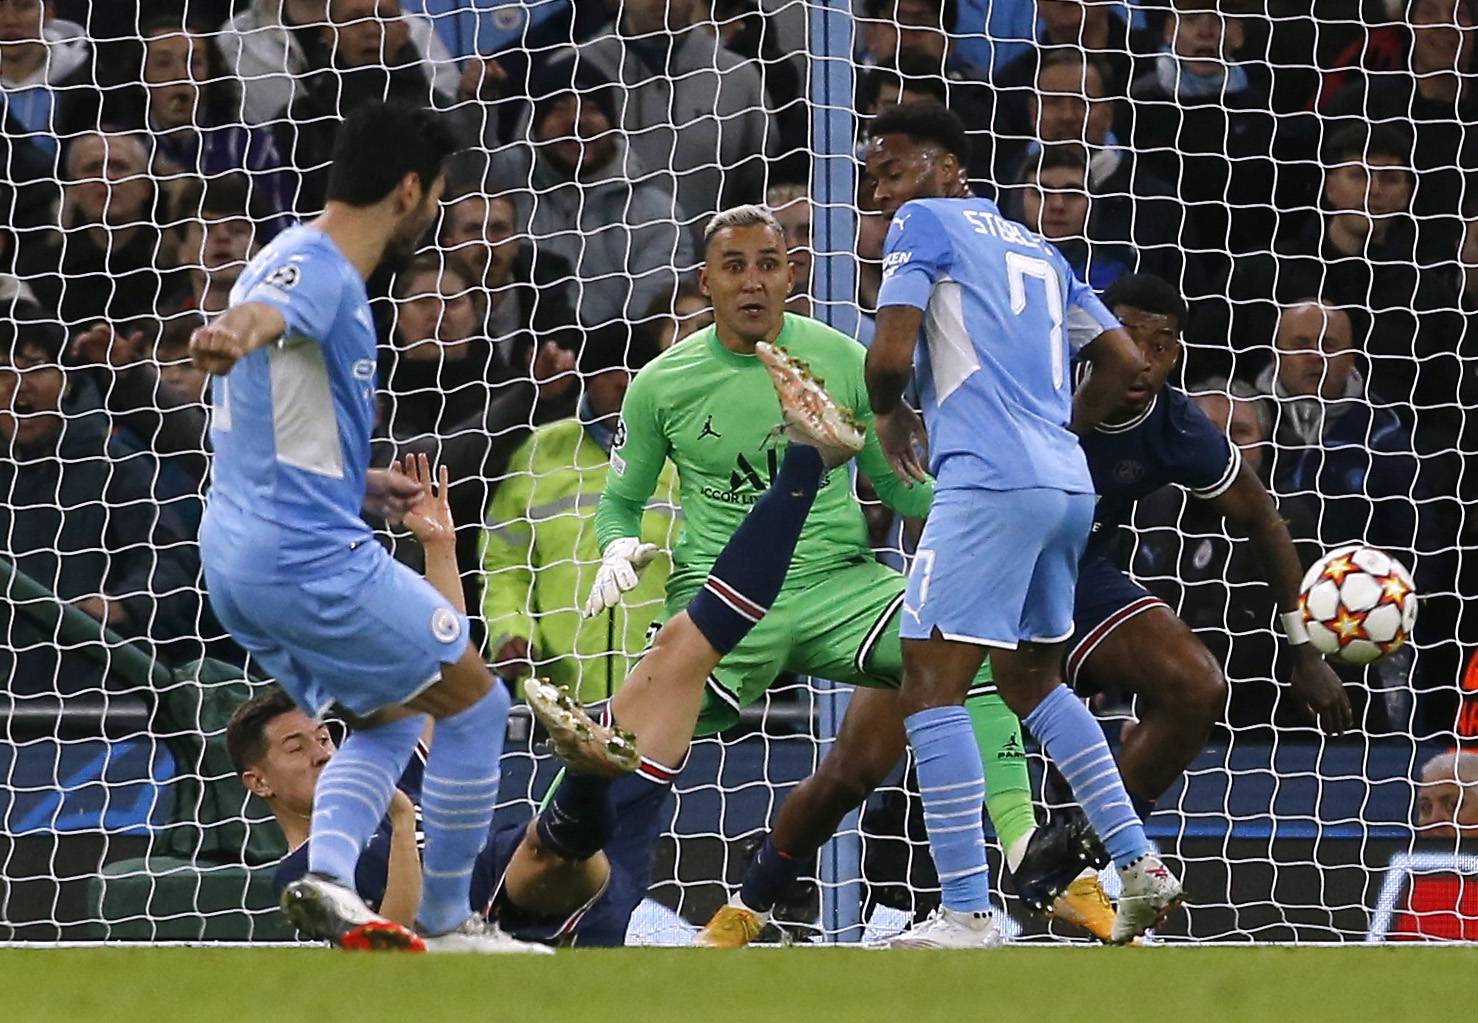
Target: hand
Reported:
point(101, 345)
point(482, 78)
point(1319, 691)
point(215, 348)
point(402, 811)
point(553, 370)
point(513, 656)
point(619, 566)
point(390, 493)
point(430, 518)
point(901, 434)
point(109, 612)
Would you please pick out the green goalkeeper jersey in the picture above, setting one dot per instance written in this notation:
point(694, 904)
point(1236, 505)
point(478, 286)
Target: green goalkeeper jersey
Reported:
point(715, 414)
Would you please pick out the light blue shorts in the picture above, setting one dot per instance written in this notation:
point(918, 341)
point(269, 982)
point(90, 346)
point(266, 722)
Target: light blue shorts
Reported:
point(998, 567)
point(369, 634)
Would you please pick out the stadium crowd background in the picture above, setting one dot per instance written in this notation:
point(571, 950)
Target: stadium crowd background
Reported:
point(1303, 172)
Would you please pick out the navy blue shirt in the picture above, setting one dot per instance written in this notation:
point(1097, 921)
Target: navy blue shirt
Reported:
point(1172, 441)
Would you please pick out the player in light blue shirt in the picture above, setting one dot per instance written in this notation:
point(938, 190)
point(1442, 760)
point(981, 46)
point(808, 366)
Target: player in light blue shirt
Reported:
point(294, 572)
point(995, 316)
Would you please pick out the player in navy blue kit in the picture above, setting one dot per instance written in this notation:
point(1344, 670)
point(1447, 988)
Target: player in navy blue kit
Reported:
point(994, 315)
point(1128, 639)
point(293, 570)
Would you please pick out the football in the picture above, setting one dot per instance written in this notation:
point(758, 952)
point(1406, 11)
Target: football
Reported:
point(1358, 603)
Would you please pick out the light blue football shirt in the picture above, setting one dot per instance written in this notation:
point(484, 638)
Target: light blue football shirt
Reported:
point(1003, 315)
point(291, 422)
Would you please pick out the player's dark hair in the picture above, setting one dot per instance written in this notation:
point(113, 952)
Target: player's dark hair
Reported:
point(379, 144)
point(925, 121)
point(246, 732)
point(1357, 141)
point(26, 325)
point(1149, 293)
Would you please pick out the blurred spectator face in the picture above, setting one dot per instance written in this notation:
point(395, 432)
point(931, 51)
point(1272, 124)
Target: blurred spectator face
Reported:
point(872, 233)
point(645, 17)
point(1158, 338)
point(1238, 419)
point(481, 231)
point(1446, 806)
point(690, 314)
point(295, 750)
point(607, 391)
point(173, 359)
point(576, 137)
point(109, 183)
point(795, 218)
point(912, 27)
point(1378, 185)
point(434, 309)
point(365, 32)
point(21, 21)
point(1202, 40)
point(1069, 105)
point(748, 277)
point(1056, 203)
point(1315, 351)
point(1441, 35)
point(220, 243)
point(31, 389)
point(175, 65)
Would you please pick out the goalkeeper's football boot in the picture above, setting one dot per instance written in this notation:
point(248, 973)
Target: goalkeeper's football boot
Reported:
point(1085, 905)
point(1055, 855)
point(324, 909)
point(476, 936)
point(947, 928)
point(583, 743)
point(1151, 892)
point(811, 417)
point(733, 926)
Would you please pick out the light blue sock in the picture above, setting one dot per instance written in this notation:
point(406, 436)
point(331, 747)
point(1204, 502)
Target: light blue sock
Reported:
point(1075, 743)
point(458, 793)
point(952, 784)
point(353, 793)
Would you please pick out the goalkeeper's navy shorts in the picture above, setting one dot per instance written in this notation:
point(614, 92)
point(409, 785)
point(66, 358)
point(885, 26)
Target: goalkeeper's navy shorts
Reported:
point(1106, 598)
point(368, 634)
point(997, 567)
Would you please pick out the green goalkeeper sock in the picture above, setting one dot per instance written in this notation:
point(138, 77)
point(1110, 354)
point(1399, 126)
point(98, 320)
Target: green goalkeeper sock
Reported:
point(1008, 790)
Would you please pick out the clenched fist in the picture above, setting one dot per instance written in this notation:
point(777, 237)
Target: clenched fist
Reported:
point(215, 348)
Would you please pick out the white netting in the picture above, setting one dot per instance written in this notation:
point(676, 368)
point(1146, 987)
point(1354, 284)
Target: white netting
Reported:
point(1254, 154)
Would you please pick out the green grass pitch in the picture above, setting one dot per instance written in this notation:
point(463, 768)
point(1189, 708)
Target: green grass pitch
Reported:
point(1195, 985)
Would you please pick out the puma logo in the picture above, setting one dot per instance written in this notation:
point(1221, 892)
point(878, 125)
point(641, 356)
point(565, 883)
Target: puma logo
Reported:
point(708, 430)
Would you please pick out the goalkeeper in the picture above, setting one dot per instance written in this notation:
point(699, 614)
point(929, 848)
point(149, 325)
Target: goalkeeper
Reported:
point(709, 406)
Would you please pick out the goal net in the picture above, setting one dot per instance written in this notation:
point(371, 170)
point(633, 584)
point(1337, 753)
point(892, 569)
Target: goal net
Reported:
point(1301, 179)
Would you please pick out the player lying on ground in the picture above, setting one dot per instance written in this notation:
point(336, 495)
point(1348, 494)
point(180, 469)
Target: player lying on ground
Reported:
point(709, 406)
point(294, 572)
point(532, 887)
point(995, 315)
point(1123, 637)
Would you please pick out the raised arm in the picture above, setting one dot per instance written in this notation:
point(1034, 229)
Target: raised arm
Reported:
point(1116, 362)
point(234, 335)
point(1250, 511)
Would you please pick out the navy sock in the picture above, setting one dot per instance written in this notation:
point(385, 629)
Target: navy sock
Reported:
point(577, 821)
point(750, 570)
point(768, 876)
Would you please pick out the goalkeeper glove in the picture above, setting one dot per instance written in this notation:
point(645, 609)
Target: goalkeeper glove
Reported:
point(622, 560)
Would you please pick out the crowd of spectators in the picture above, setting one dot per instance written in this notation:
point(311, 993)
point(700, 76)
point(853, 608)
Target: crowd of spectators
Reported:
point(1308, 191)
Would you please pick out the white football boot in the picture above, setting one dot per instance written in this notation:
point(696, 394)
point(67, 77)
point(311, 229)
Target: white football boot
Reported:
point(1151, 892)
point(476, 936)
point(322, 908)
point(948, 928)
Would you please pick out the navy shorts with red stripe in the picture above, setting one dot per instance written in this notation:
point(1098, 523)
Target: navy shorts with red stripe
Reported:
point(1106, 598)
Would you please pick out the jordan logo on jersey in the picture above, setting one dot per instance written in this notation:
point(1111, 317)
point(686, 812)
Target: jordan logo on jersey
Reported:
point(708, 430)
